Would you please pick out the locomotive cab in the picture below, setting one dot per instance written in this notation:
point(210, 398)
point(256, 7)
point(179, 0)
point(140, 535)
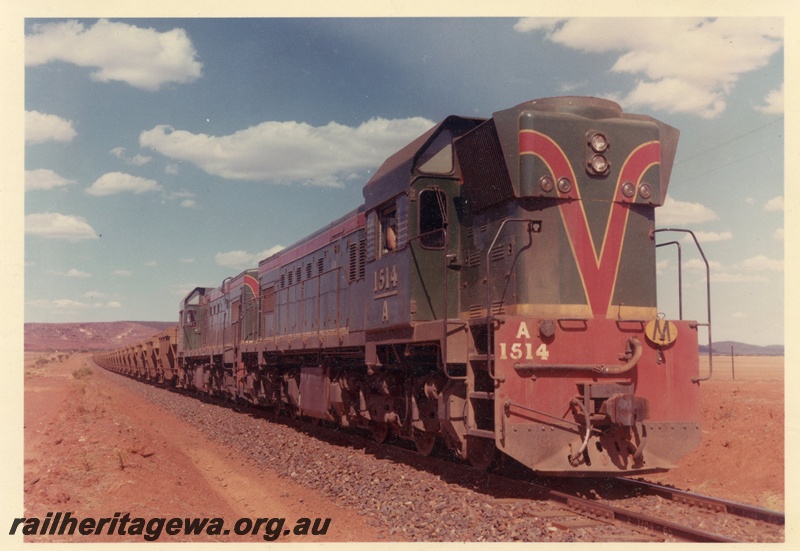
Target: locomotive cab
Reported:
point(412, 248)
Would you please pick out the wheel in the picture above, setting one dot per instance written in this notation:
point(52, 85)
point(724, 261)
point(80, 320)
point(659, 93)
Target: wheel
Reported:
point(425, 442)
point(482, 454)
point(380, 431)
point(292, 411)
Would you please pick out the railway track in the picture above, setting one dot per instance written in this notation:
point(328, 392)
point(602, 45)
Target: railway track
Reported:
point(709, 503)
point(431, 498)
point(685, 516)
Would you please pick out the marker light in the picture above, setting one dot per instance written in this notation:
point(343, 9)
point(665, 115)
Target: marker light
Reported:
point(564, 185)
point(546, 184)
point(645, 190)
point(628, 189)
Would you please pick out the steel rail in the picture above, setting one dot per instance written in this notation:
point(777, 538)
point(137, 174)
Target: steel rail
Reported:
point(715, 504)
point(607, 513)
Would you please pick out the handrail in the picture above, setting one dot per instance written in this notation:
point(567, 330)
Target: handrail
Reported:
point(633, 351)
point(445, 291)
point(680, 276)
point(489, 320)
point(708, 298)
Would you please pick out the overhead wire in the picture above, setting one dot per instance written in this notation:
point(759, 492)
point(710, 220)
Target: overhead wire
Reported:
point(738, 137)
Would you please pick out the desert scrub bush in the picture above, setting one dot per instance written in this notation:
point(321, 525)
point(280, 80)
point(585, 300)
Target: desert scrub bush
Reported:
point(82, 373)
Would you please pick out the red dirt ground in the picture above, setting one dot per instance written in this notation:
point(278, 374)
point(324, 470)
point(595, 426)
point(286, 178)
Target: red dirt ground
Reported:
point(94, 448)
point(741, 456)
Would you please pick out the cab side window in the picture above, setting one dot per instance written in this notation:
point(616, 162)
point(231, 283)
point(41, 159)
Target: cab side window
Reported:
point(388, 228)
point(432, 218)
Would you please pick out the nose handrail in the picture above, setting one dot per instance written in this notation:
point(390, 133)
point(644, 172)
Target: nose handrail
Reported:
point(708, 296)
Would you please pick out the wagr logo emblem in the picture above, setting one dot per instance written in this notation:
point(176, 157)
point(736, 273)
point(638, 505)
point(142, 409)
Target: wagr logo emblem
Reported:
point(598, 270)
point(661, 332)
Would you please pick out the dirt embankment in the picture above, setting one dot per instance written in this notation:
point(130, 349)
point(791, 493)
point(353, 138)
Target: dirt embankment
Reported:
point(95, 449)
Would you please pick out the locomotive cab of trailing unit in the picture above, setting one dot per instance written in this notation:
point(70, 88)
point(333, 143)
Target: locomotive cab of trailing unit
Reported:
point(189, 335)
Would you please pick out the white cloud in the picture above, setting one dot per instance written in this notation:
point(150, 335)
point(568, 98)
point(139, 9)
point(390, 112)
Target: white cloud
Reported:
point(142, 58)
point(758, 269)
point(669, 56)
point(697, 265)
point(762, 263)
point(66, 304)
point(43, 178)
point(187, 260)
point(41, 128)
point(59, 226)
point(74, 272)
point(289, 152)
point(773, 103)
point(709, 236)
point(187, 197)
point(729, 277)
point(96, 295)
point(69, 303)
point(122, 273)
point(775, 204)
point(673, 95)
point(683, 213)
point(119, 182)
point(529, 24)
point(151, 263)
point(136, 160)
point(243, 259)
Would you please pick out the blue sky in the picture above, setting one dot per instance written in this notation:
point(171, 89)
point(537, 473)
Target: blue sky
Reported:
point(164, 154)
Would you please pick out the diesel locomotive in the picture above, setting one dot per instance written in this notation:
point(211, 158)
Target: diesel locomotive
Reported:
point(495, 293)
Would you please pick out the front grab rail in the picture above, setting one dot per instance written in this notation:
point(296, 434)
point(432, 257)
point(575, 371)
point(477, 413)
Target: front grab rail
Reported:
point(708, 297)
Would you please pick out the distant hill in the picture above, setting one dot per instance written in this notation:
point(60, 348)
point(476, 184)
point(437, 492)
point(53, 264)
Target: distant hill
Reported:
point(89, 336)
point(742, 349)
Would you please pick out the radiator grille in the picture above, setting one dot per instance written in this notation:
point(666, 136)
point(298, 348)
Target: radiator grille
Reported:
point(486, 179)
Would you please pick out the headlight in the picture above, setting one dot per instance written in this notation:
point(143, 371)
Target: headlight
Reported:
point(597, 145)
point(598, 142)
point(599, 164)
